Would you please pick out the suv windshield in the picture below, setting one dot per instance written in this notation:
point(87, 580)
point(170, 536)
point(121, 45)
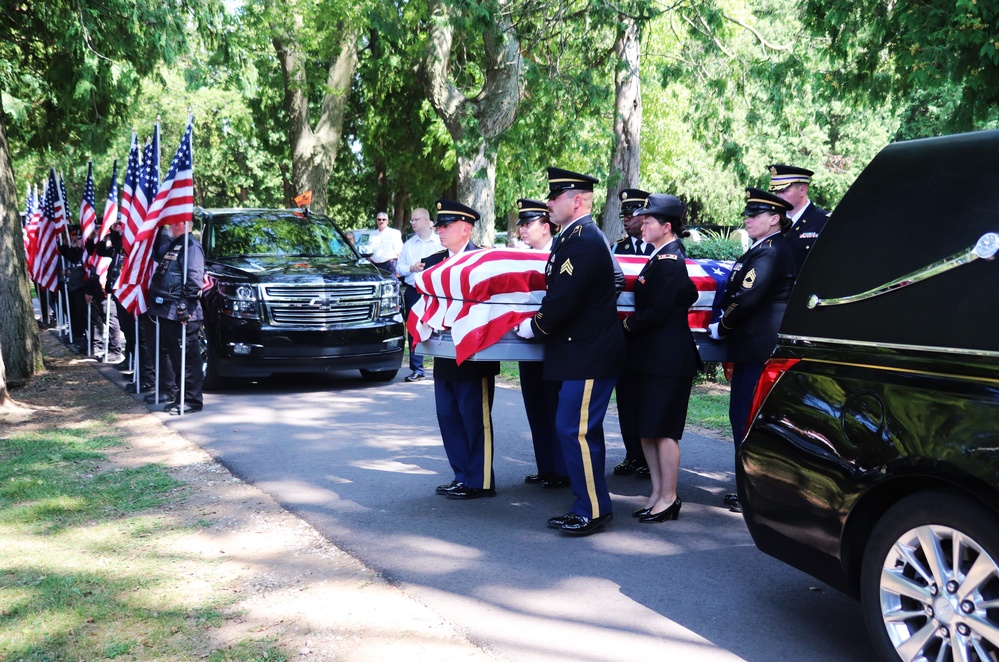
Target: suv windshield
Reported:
point(276, 234)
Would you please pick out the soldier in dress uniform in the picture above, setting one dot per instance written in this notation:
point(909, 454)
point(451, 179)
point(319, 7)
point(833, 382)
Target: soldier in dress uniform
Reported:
point(583, 344)
point(790, 184)
point(540, 396)
point(632, 199)
point(463, 393)
point(754, 302)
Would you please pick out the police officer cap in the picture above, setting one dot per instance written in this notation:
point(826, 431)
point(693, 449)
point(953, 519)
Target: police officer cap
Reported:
point(782, 176)
point(759, 201)
point(633, 198)
point(560, 180)
point(449, 211)
point(663, 204)
point(528, 210)
point(73, 228)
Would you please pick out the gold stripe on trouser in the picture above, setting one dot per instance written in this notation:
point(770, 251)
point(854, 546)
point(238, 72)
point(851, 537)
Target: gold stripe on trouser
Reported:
point(584, 448)
point(487, 430)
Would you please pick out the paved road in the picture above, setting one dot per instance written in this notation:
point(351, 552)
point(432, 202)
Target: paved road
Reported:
point(360, 462)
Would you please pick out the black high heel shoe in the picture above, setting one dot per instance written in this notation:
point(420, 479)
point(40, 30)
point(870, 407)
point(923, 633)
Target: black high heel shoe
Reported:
point(641, 512)
point(673, 512)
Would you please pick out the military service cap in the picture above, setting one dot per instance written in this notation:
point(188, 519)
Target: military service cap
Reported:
point(528, 210)
point(632, 199)
point(759, 201)
point(449, 211)
point(560, 180)
point(782, 176)
point(663, 204)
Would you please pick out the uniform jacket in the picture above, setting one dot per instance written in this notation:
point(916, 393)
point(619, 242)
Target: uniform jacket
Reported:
point(755, 298)
point(448, 369)
point(802, 235)
point(658, 334)
point(578, 316)
point(626, 246)
point(168, 286)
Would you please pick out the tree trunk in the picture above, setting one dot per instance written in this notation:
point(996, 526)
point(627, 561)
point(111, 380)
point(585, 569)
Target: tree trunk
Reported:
point(625, 166)
point(475, 124)
point(20, 346)
point(314, 150)
point(477, 189)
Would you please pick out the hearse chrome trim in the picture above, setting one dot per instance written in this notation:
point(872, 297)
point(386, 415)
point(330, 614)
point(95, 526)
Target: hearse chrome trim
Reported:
point(985, 248)
point(885, 345)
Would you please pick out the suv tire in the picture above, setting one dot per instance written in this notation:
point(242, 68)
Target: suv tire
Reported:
point(917, 598)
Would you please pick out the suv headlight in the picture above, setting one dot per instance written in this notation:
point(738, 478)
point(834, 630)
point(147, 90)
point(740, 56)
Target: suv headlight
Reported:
point(239, 300)
point(389, 298)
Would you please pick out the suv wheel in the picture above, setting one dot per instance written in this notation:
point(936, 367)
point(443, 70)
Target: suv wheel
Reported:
point(378, 375)
point(930, 581)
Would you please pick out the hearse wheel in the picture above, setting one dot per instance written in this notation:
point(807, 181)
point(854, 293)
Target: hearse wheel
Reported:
point(930, 580)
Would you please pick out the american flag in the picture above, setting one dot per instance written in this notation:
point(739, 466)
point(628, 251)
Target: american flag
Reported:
point(88, 212)
point(174, 203)
point(30, 227)
point(60, 206)
point(482, 295)
point(110, 216)
point(128, 187)
point(46, 262)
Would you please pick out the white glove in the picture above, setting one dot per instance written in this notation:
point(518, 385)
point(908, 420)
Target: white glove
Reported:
point(524, 330)
point(713, 331)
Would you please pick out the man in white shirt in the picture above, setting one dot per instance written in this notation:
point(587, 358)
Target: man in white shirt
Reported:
point(386, 245)
point(423, 244)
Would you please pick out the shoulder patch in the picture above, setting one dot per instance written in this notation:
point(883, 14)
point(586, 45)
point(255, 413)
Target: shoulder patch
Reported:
point(668, 256)
point(566, 267)
point(750, 279)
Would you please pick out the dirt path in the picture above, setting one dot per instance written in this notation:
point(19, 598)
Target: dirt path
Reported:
point(318, 602)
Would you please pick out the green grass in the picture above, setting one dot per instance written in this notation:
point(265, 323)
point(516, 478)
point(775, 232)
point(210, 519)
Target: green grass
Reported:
point(87, 571)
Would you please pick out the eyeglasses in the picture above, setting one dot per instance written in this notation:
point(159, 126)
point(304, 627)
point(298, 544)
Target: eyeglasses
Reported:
point(382, 218)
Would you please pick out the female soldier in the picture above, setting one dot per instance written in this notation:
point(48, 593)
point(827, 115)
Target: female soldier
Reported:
point(753, 305)
point(662, 359)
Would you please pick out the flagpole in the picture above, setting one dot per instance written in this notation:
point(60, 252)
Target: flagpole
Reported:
point(156, 392)
point(135, 358)
point(183, 286)
point(107, 327)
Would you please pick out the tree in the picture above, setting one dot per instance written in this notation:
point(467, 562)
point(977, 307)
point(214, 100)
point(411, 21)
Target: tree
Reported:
point(316, 45)
point(68, 71)
point(938, 56)
point(477, 122)
point(20, 347)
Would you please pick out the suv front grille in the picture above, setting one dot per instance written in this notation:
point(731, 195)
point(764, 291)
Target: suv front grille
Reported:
point(319, 306)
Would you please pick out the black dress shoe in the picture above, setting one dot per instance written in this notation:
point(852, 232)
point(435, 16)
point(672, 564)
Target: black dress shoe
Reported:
point(465, 492)
point(627, 467)
point(531, 479)
point(641, 512)
point(577, 525)
point(729, 499)
point(673, 512)
point(643, 472)
point(444, 489)
point(554, 481)
point(735, 507)
point(557, 521)
point(174, 408)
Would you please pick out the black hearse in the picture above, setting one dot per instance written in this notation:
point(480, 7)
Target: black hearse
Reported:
point(288, 293)
point(872, 459)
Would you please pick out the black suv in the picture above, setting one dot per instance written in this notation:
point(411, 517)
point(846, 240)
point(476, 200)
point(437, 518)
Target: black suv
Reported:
point(872, 458)
point(288, 293)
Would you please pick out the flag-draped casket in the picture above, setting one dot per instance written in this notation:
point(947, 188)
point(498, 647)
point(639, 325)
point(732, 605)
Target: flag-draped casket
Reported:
point(473, 301)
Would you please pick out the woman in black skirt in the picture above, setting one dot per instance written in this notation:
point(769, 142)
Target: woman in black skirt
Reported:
point(662, 357)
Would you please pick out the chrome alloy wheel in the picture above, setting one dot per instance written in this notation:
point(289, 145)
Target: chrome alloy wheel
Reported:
point(939, 596)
